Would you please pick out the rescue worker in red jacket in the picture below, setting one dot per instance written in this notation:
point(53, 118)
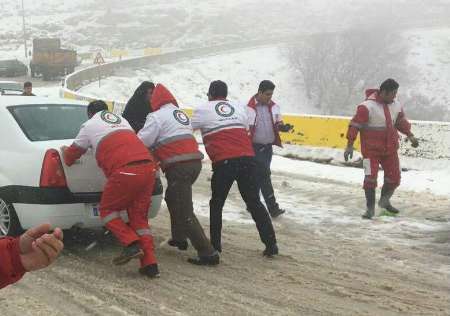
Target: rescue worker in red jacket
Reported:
point(130, 172)
point(378, 119)
point(265, 124)
point(36, 249)
point(224, 126)
point(168, 132)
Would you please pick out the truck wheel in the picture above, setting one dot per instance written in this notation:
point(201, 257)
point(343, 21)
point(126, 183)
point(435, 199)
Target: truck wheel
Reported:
point(9, 222)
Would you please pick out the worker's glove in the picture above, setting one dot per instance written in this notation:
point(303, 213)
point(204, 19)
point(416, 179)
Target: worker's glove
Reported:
point(348, 152)
point(285, 127)
point(414, 141)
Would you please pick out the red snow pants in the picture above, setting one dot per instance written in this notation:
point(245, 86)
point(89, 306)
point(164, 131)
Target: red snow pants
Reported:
point(391, 166)
point(130, 188)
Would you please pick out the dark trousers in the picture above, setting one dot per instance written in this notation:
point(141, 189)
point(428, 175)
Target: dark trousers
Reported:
point(184, 223)
point(243, 171)
point(263, 157)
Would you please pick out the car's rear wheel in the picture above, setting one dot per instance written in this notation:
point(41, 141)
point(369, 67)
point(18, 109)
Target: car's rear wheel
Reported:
point(9, 222)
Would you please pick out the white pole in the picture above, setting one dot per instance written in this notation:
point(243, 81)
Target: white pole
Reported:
point(24, 32)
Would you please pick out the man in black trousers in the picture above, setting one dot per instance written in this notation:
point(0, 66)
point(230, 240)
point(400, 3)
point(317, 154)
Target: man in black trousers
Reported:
point(223, 125)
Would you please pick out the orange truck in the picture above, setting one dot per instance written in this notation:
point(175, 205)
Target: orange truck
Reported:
point(50, 60)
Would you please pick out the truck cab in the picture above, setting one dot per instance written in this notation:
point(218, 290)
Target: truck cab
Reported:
point(50, 60)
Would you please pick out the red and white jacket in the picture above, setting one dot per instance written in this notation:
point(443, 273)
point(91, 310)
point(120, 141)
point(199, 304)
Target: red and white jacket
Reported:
point(224, 128)
point(113, 141)
point(378, 124)
point(275, 112)
point(168, 131)
point(11, 268)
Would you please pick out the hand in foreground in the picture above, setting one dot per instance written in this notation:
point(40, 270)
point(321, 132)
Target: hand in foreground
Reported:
point(39, 248)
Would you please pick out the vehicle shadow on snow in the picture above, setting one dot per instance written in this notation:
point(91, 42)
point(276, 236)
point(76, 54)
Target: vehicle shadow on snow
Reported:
point(81, 240)
point(86, 242)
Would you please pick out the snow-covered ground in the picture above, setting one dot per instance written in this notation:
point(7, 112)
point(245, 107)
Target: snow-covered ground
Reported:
point(422, 177)
point(436, 181)
point(329, 199)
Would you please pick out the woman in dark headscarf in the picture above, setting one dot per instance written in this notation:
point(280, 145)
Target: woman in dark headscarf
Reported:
point(138, 106)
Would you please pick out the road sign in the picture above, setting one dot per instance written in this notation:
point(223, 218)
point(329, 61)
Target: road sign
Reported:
point(99, 59)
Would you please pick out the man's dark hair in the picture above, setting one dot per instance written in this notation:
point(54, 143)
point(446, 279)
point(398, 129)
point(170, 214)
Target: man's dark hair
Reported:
point(218, 89)
point(389, 85)
point(266, 85)
point(27, 84)
point(96, 106)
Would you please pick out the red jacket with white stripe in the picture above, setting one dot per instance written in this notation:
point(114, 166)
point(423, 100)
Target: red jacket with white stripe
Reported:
point(168, 131)
point(11, 268)
point(275, 114)
point(224, 128)
point(378, 124)
point(113, 141)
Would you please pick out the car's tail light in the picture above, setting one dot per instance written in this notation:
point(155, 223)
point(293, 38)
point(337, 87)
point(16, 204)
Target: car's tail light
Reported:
point(52, 173)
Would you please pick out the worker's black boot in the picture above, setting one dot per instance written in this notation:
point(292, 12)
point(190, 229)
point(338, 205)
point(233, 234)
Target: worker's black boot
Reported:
point(276, 211)
point(131, 251)
point(370, 202)
point(150, 271)
point(385, 202)
point(181, 245)
point(270, 251)
point(210, 260)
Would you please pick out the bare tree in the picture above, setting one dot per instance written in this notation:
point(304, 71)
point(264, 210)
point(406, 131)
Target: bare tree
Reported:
point(337, 66)
point(420, 107)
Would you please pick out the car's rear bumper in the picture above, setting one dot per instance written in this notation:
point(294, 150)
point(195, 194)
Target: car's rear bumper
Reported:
point(66, 216)
point(49, 196)
point(37, 195)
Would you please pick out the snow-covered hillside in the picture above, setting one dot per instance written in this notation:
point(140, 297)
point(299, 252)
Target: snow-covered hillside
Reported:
point(185, 23)
point(189, 80)
point(429, 64)
point(426, 88)
point(91, 26)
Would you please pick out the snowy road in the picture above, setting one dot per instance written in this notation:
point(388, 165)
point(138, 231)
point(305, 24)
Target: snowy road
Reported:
point(331, 263)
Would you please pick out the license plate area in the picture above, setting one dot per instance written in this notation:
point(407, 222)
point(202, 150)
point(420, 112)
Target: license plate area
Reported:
point(93, 210)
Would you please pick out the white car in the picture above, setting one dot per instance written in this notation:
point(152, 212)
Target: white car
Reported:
point(35, 186)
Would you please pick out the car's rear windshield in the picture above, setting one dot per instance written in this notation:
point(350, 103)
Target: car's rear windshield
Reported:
point(41, 122)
